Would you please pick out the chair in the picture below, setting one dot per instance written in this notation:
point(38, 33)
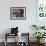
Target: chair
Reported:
point(7, 35)
point(26, 41)
point(14, 32)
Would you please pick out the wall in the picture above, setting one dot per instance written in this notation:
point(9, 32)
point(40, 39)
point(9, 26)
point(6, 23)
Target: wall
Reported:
point(24, 25)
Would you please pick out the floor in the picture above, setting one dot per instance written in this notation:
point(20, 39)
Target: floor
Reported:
point(13, 44)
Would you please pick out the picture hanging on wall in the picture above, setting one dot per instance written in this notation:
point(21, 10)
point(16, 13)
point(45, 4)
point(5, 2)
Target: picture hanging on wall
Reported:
point(18, 13)
point(41, 8)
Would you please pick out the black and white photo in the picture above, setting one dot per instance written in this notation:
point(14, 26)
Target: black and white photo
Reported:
point(17, 13)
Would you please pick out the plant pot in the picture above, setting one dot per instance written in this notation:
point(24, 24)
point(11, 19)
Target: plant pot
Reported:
point(40, 41)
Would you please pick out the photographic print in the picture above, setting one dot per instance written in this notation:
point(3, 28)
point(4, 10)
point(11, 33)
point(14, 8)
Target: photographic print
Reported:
point(17, 13)
point(41, 8)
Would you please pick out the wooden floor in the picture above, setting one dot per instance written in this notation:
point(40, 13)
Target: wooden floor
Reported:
point(13, 44)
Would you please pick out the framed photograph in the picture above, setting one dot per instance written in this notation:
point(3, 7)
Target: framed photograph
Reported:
point(41, 8)
point(18, 13)
point(41, 12)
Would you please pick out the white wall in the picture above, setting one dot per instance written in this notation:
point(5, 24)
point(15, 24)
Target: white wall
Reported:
point(24, 25)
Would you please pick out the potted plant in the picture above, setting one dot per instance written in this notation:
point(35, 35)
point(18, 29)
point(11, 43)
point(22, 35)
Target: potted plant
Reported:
point(39, 35)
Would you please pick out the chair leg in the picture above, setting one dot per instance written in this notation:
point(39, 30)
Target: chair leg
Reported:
point(5, 40)
point(5, 43)
point(16, 43)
